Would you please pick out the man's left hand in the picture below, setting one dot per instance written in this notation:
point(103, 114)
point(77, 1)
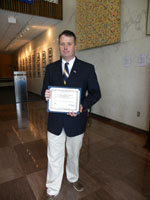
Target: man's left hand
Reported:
point(72, 114)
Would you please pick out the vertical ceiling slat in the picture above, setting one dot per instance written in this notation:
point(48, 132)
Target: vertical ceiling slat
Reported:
point(39, 8)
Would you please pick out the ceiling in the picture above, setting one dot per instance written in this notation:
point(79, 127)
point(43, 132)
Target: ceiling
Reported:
point(14, 35)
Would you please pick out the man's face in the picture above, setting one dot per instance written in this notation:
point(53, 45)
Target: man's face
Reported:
point(67, 47)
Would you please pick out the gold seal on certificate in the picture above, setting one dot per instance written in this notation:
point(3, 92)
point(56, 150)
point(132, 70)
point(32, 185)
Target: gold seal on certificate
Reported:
point(64, 100)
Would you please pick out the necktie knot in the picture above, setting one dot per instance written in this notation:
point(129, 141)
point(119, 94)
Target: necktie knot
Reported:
point(66, 72)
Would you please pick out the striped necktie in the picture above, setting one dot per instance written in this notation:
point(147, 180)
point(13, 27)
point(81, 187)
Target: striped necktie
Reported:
point(66, 72)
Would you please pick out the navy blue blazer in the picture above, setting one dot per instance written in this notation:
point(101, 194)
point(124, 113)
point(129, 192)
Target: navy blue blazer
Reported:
point(82, 76)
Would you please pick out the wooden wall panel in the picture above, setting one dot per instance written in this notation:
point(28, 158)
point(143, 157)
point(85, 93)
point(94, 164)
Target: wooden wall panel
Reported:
point(6, 66)
point(39, 8)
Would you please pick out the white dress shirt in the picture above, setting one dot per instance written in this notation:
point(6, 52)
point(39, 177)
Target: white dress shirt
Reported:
point(70, 65)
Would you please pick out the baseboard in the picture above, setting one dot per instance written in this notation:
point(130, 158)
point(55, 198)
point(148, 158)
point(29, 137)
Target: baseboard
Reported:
point(117, 124)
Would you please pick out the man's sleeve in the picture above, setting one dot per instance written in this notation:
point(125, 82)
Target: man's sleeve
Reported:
point(94, 93)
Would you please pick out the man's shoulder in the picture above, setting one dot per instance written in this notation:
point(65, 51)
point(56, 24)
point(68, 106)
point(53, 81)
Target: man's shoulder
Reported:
point(54, 65)
point(84, 62)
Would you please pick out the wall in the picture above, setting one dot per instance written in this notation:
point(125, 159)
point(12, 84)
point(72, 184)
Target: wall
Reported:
point(124, 83)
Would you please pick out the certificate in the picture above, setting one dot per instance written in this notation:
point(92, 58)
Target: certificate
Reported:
point(64, 100)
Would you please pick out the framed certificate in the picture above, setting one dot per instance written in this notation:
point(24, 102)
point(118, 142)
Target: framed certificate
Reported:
point(64, 100)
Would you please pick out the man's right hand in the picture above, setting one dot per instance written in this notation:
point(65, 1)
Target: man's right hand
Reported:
point(47, 95)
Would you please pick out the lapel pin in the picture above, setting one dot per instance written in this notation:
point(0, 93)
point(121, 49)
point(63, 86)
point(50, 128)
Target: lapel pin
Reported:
point(75, 71)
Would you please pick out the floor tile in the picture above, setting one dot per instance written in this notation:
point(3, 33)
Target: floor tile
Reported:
point(101, 194)
point(122, 191)
point(9, 165)
point(37, 181)
point(139, 179)
point(18, 189)
point(32, 156)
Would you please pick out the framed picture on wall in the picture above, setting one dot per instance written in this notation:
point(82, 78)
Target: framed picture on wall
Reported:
point(26, 64)
point(43, 61)
point(30, 70)
point(20, 66)
point(29, 59)
point(33, 66)
point(148, 19)
point(43, 58)
point(38, 56)
point(50, 55)
point(38, 64)
point(23, 65)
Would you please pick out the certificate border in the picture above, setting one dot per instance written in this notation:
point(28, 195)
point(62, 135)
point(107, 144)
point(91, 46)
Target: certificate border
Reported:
point(63, 88)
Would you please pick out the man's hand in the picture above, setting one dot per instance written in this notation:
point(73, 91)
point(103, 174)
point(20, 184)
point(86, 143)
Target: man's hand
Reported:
point(47, 95)
point(72, 114)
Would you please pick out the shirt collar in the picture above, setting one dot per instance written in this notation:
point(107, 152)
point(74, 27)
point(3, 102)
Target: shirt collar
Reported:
point(70, 62)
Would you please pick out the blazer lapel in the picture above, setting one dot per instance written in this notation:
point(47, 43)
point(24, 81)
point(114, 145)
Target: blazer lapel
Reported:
point(60, 74)
point(75, 70)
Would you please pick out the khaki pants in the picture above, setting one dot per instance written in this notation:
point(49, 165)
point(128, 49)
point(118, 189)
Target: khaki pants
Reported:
point(56, 155)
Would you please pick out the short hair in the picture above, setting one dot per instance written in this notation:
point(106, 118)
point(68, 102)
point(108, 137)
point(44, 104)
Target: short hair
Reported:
point(69, 34)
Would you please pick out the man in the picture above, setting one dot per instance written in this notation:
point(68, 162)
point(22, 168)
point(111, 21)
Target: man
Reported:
point(67, 130)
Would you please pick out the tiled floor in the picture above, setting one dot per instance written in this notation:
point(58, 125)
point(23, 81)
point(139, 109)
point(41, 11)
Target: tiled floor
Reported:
point(113, 163)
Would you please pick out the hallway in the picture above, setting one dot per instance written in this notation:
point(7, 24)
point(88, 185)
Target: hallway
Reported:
point(113, 163)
